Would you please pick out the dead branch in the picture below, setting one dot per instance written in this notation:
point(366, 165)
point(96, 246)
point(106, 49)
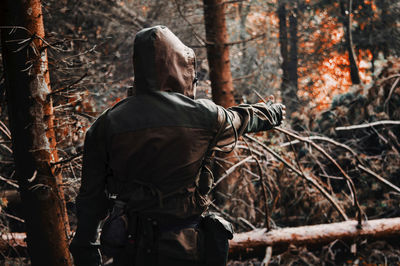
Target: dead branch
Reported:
point(69, 86)
point(231, 170)
point(379, 178)
point(391, 92)
point(260, 173)
point(306, 177)
point(230, 218)
point(73, 157)
point(5, 130)
point(257, 240)
point(376, 123)
point(349, 180)
point(360, 165)
point(268, 256)
point(198, 37)
point(8, 181)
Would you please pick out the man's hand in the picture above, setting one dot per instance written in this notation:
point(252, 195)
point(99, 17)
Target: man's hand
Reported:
point(280, 109)
point(271, 98)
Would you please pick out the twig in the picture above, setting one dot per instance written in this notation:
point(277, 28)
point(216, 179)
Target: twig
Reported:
point(308, 178)
point(68, 159)
point(200, 39)
point(377, 123)
point(5, 129)
point(348, 179)
point(267, 224)
point(232, 2)
point(268, 255)
point(391, 92)
point(13, 217)
point(389, 77)
point(229, 197)
point(7, 148)
point(231, 170)
point(8, 181)
point(347, 148)
point(247, 223)
point(246, 40)
point(379, 178)
point(227, 216)
point(69, 86)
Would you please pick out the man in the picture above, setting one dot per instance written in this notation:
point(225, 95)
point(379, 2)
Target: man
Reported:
point(151, 151)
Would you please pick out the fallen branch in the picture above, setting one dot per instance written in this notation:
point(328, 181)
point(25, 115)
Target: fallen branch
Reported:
point(347, 148)
point(257, 240)
point(377, 123)
point(330, 158)
point(10, 182)
point(306, 177)
point(379, 178)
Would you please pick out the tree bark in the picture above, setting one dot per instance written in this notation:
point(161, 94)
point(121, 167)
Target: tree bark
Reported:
point(32, 129)
point(385, 23)
point(254, 242)
point(283, 43)
point(354, 72)
point(289, 85)
point(218, 53)
point(291, 99)
point(220, 77)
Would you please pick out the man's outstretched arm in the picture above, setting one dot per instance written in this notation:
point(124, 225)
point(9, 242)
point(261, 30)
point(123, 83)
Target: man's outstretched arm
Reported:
point(246, 118)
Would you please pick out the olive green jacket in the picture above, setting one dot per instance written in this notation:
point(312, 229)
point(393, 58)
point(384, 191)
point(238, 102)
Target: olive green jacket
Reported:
point(153, 144)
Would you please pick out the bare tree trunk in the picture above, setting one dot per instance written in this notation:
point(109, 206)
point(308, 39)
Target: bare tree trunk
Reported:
point(289, 55)
point(354, 73)
point(256, 241)
point(283, 42)
point(218, 53)
point(291, 99)
point(385, 23)
point(220, 76)
point(32, 129)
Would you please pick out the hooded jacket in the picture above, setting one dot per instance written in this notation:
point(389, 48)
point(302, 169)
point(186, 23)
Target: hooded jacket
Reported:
point(153, 144)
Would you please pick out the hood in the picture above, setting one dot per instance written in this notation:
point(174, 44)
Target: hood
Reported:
point(162, 62)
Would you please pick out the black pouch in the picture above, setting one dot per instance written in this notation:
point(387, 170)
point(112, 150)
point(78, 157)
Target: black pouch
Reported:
point(217, 231)
point(114, 233)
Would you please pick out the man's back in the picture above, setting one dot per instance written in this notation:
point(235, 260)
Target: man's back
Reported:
point(158, 140)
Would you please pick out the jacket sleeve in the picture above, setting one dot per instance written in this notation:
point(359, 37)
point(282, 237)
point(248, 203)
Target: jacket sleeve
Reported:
point(246, 118)
point(91, 202)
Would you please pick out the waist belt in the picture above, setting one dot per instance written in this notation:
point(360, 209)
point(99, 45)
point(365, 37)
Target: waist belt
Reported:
point(164, 223)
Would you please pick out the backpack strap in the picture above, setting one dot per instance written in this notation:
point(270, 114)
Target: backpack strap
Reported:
point(205, 177)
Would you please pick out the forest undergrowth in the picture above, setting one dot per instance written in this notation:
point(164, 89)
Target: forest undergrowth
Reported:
point(267, 179)
point(367, 154)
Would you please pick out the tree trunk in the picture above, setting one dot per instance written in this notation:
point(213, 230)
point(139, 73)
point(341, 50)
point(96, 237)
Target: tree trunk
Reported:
point(283, 42)
point(220, 77)
point(244, 12)
point(31, 124)
point(218, 53)
point(354, 73)
point(289, 83)
point(291, 99)
point(255, 242)
point(385, 23)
